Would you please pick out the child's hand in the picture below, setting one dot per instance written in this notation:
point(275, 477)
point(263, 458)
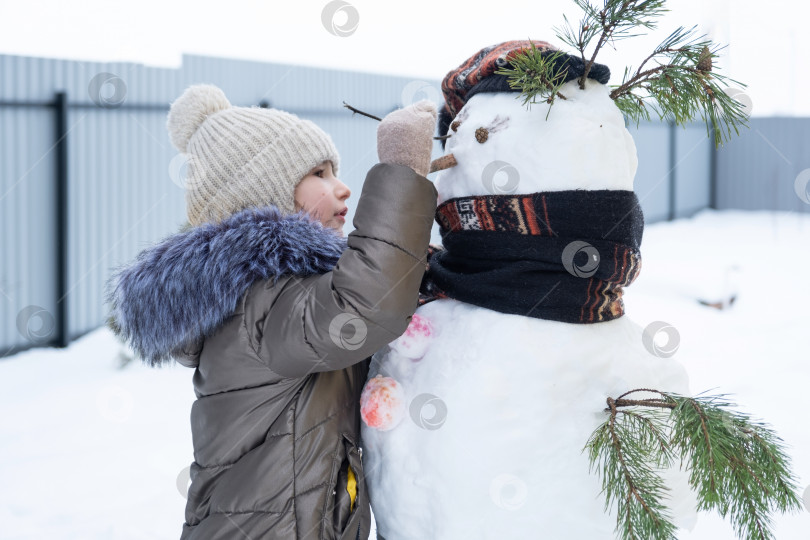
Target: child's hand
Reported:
point(405, 136)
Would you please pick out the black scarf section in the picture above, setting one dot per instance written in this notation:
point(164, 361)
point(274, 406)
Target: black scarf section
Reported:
point(562, 255)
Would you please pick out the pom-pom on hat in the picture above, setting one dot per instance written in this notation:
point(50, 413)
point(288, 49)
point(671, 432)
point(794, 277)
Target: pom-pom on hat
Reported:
point(242, 157)
point(477, 74)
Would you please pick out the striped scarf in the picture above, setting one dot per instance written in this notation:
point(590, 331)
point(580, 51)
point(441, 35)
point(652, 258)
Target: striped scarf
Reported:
point(561, 255)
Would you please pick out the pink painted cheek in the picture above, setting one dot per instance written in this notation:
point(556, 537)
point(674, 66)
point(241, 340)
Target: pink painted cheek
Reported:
point(419, 327)
point(414, 342)
point(382, 403)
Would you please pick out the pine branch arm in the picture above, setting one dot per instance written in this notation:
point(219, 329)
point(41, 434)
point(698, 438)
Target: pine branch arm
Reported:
point(708, 441)
point(631, 485)
point(737, 466)
point(752, 509)
point(650, 390)
point(737, 463)
point(644, 403)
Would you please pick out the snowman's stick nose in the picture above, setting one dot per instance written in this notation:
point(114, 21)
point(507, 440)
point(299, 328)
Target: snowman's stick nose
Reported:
point(442, 163)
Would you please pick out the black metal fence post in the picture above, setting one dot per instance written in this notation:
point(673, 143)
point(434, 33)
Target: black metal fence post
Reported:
point(61, 336)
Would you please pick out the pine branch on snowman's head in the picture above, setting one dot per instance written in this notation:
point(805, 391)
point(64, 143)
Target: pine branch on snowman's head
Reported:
point(677, 81)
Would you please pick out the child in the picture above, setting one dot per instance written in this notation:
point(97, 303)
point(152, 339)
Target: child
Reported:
point(277, 311)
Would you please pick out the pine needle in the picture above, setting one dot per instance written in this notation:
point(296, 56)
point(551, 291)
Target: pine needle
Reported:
point(737, 466)
point(536, 75)
point(628, 472)
point(681, 86)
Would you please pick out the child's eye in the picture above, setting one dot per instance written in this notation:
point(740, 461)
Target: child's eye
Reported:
point(319, 173)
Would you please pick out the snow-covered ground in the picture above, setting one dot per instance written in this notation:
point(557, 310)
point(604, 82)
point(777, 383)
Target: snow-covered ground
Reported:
point(93, 450)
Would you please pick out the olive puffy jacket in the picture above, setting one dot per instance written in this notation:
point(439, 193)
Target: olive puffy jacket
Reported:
point(279, 315)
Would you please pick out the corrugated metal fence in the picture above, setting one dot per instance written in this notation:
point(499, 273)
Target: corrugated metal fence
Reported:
point(88, 177)
point(767, 167)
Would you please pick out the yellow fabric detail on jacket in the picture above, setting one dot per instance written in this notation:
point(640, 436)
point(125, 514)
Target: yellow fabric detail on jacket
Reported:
point(351, 487)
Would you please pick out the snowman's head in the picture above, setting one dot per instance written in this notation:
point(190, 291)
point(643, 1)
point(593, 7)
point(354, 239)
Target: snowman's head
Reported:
point(503, 147)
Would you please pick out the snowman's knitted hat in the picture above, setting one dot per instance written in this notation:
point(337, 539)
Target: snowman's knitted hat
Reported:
point(242, 157)
point(477, 74)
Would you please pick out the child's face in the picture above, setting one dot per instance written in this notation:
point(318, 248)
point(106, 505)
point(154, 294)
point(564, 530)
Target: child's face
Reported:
point(322, 195)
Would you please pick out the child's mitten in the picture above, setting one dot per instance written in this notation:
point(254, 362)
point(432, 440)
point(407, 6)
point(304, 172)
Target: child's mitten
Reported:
point(405, 136)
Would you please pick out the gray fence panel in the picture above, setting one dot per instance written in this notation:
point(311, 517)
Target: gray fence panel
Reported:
point(121, 199)
point(27, 203)
point(652, 177)
point(693, 149)
point(758, 170)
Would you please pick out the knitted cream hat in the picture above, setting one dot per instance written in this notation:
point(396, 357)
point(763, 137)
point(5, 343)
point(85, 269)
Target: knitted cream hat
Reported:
point(242, 157)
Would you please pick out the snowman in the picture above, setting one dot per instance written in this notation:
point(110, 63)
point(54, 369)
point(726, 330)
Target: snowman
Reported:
point(474, 420)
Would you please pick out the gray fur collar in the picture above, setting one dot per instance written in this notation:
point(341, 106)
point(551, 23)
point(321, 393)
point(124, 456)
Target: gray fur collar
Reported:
point(185, 286)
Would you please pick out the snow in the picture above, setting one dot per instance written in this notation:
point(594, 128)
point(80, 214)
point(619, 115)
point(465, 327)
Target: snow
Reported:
point(756, 350)
point(91, 450)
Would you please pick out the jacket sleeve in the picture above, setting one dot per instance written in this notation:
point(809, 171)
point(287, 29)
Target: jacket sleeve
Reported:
point(333, 320)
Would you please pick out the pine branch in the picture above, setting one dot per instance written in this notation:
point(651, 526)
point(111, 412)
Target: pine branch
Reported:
point(586, 31)
point(736, 466)
point(536, 75)
point(675, 82)
point(627, 472)
point(681, 87)
point(613, 22)
point(648, 390)
point(745, 461)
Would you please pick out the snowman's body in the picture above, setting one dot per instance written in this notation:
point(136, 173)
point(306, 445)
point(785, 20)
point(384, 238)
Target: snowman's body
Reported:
point(498, 407)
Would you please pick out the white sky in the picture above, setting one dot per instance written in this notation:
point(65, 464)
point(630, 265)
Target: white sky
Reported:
point(417, 38)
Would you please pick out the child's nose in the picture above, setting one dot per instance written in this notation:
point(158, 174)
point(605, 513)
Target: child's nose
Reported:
point(343, 191)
